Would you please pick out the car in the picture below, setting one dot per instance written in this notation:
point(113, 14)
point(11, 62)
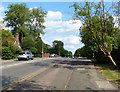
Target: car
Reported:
point(52, 55)
point(25, 55)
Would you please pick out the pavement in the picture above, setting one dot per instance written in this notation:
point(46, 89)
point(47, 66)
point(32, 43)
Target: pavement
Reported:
point(67, 74)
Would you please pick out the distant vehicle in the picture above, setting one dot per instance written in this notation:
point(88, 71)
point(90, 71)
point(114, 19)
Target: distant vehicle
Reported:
point(52, 55)
point(25, 55)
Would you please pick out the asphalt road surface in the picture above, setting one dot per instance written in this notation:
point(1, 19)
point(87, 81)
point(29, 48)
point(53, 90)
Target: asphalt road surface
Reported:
point(53, 74)
point(15, 70)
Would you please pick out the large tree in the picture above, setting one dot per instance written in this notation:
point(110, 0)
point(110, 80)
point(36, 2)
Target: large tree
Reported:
point(16, 17)
point(98, 27)
point(24, 20)
point(58, 48)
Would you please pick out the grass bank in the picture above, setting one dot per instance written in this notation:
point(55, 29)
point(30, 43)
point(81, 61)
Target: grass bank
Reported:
point(110, 73)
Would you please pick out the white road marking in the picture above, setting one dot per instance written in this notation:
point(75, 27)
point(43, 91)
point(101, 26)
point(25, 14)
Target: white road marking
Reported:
point(80, 68)
point(105, 85)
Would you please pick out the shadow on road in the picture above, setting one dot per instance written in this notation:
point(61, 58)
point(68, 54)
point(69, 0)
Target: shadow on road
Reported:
point(75, 63)
point(30, 85)
point(6, 81)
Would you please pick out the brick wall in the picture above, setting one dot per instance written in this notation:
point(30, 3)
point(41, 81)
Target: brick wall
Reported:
point(46, 55)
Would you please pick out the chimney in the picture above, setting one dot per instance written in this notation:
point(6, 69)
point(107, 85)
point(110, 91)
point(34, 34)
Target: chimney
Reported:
point(17, 40)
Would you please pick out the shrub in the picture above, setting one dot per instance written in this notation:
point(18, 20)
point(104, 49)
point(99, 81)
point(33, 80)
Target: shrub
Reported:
point(15, 49)
point(9, 50)
point(33, 50)
point(7, 53)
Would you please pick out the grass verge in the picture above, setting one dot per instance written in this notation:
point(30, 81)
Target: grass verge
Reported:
point(110, 73)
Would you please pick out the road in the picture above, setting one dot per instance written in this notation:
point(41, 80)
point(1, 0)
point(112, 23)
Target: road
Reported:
point(53, 74)
point(15, 70)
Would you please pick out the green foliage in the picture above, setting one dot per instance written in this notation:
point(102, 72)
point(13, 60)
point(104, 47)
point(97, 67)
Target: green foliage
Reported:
point(15, 49)
point(46, 48)
point(33, 50)
point(36, 21)
point(12, 47)
point(28, 42)
point(16, 16)
point(110, 73)
point(25, 21)
point(7, 53)
point(85, 51)
point(9, 49)
point(38, 46)
point(6, 34)
point(98, 31)
point(58, 48)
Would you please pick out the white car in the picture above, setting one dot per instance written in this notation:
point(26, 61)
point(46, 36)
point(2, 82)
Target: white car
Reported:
point(25, 55)
point(52, 55)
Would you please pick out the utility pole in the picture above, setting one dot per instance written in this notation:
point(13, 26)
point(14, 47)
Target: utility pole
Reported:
point(42, 44)
point(42, 49)
point(59, 48)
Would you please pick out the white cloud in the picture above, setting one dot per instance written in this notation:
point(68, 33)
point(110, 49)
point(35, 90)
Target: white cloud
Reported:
point(69, 47)
point(60, 30)
point(53, 24)
point(58, 27)
point(69, 40)
point(51, 15)
point(63, 26)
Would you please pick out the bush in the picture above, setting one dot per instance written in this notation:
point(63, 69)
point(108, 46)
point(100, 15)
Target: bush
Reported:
point(100, 58)
point(9, 50)
point(37, 55)
point(33, 50)
point(15, 49)
point(7, 53)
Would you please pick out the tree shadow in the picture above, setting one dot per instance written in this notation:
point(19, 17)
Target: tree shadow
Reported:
point(32, 85)
point(7, 81)
point(67, 63)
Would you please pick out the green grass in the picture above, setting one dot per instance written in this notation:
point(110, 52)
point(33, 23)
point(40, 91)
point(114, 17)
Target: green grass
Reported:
point(110, 73)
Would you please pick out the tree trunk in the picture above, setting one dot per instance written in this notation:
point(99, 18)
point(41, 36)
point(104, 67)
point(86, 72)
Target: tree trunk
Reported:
point(109, 56)
point(111, 59)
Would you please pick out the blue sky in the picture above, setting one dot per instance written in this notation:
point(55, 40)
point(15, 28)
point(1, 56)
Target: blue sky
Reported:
point(59, 23)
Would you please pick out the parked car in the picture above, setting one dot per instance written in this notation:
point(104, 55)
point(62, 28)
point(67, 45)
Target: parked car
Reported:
point(25, 55)
point(52, 55)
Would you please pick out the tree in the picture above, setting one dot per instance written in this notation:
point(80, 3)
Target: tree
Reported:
point(25, 21)
point(16, 18)
point(38, 46)
point(36, 20)
point(28, 43)
point(46, 48)
point(98, 29)
point(58, 48)
point(6, 34)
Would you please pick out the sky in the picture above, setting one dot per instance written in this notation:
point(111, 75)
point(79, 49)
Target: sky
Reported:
point(58, 22)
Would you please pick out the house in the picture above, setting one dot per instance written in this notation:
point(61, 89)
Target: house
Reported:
point(16, 40)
